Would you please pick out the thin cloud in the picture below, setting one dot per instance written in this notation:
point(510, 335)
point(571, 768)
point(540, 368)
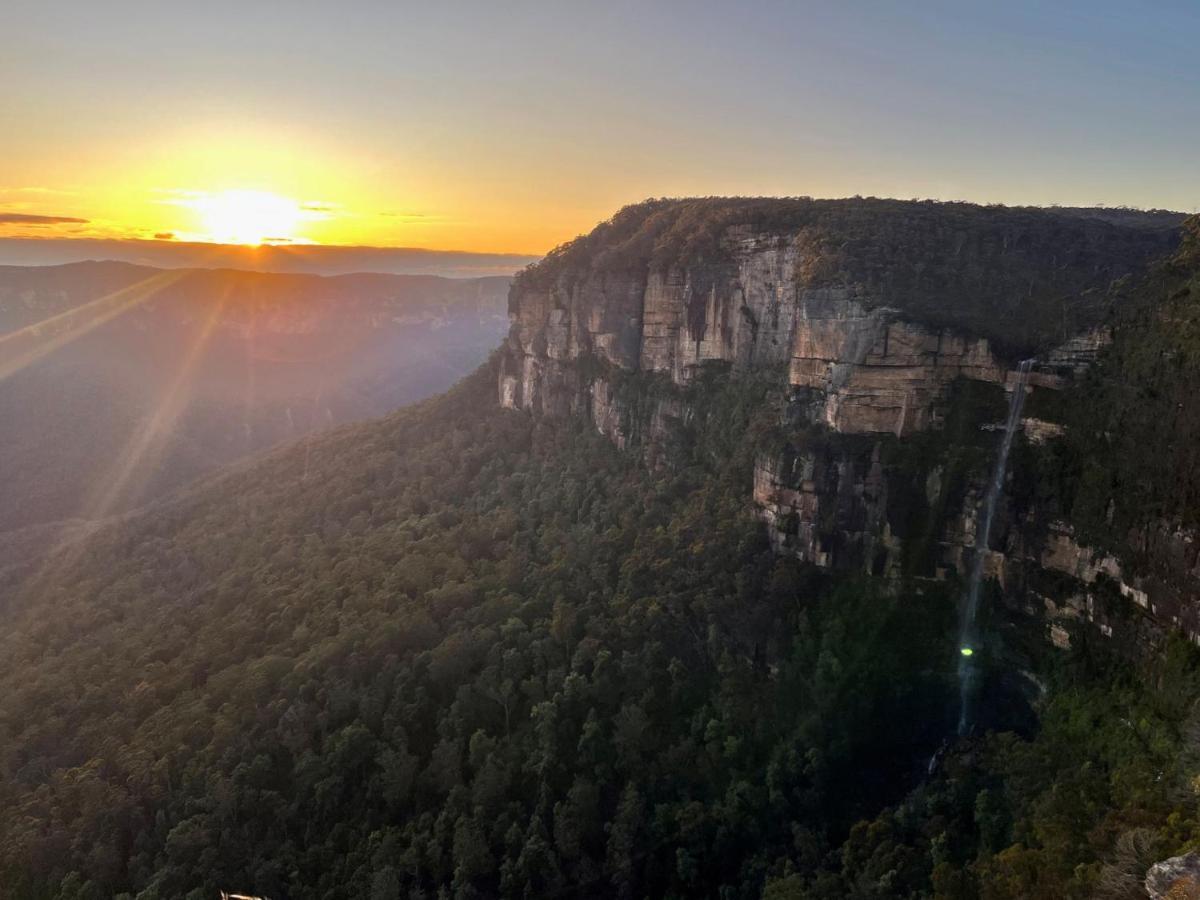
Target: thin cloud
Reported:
point(416, 217)
point(15, 189)
point(12, 218)
point(164, 235)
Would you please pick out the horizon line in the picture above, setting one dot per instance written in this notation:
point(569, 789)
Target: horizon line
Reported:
point(267, 245)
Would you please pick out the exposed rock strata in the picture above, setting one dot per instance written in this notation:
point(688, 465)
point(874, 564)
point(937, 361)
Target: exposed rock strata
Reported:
point(866, 368)
point(828, 508)
point(873, 372)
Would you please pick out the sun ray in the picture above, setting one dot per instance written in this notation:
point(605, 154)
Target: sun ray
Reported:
point(33, 342)
point(153, 433)
point(147, 440)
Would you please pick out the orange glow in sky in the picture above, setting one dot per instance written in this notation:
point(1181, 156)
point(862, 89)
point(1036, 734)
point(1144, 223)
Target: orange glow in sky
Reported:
point(236, 183)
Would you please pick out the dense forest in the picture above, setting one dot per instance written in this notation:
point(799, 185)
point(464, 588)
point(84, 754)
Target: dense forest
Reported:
point(1142, 395)
point(463, 652)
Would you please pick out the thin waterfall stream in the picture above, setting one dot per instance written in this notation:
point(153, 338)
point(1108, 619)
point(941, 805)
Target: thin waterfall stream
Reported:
point(968, 636)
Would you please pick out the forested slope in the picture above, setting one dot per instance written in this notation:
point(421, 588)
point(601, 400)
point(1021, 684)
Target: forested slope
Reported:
point(463, 651)
point(1136, 423)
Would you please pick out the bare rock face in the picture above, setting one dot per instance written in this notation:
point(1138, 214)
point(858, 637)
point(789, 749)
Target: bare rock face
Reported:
point(1080, 351)
point(1038, 431)
point(865, 368)
point(741, 311)
point(873, 372)
point(827, 508)
point(1177, 878)
point(606, 413)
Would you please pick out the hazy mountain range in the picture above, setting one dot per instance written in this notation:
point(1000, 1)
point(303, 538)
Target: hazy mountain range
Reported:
point(118, 382)
point(296, 258)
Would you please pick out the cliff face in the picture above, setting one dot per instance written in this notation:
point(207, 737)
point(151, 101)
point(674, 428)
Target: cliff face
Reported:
point(869, 370)
point(862, 366)
point(877, 320)
point(873, 306)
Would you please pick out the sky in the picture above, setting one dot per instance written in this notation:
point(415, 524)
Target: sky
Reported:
point(512, 126)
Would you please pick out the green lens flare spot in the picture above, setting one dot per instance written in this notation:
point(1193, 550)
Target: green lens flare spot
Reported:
point(967, 651)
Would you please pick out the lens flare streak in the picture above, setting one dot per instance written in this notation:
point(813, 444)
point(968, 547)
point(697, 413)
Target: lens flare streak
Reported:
point(138, 454)
point(27, 345)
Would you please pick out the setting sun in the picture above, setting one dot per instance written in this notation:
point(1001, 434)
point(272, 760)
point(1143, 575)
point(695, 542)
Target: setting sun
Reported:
point(248, 217)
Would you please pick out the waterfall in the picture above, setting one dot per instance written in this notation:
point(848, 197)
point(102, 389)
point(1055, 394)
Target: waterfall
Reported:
point(967, 635)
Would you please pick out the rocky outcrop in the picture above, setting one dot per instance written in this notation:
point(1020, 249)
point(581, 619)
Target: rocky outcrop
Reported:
point(1080, 351)
point(828, 508)
point(1177, 878)
point(870, 371)
point(741, 312)
point(1039, 431)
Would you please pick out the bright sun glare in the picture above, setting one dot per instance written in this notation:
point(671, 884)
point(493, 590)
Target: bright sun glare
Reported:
point(248, 217)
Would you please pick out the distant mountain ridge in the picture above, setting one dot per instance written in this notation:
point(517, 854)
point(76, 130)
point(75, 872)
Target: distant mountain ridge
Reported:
point(30, 293)
point(311, 259)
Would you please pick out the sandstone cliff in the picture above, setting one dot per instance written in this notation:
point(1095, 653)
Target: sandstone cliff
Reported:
point(874, 305)
point(876, 318)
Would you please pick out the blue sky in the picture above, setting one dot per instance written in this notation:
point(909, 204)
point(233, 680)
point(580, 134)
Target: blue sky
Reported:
point(511, 126)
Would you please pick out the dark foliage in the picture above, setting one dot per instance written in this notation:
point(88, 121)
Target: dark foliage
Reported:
point(1131, 459)
point(455, 649)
